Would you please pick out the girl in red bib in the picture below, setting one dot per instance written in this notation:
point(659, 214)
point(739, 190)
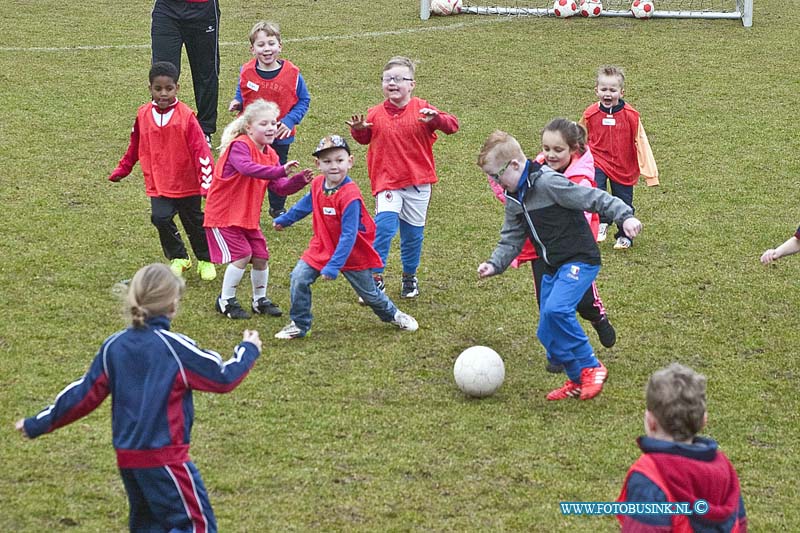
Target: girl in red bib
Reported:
point(247, 168)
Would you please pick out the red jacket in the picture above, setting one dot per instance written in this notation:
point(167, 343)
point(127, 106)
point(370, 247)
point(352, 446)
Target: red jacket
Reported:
point(326, 220)
point(400, 146)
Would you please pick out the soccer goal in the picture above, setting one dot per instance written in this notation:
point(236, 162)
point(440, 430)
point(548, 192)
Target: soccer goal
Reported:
point(707, 9)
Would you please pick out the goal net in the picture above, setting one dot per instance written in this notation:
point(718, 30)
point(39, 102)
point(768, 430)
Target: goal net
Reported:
point(709, 9)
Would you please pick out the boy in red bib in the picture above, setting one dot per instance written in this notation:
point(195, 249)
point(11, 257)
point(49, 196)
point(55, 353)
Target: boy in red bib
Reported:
point(400, 133)
point(677, 465)
point(176, 162)
point(276, 80)
point(619, 144)
point(342, 241)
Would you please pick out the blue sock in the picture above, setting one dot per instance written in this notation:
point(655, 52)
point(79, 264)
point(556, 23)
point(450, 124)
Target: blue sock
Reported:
point(411, 238)
point(386, 225)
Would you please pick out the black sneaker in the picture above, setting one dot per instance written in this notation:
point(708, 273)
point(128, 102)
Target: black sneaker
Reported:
point(275, 213)
point(410, 287)
point(265, 306)
point(231, 308)
point(605, 331)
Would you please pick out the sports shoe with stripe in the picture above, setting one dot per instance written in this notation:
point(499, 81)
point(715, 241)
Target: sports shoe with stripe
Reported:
point(404, 321)
point(410, 287)
point(231, 308)
point(265, 306)
point(179, 265)
point(623, 243)
point(570, 389)
point(605, 332)
point(290, 331)
point(592, 380)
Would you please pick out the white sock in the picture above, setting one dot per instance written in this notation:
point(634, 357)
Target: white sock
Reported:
point(233, 275)
point(259, 280)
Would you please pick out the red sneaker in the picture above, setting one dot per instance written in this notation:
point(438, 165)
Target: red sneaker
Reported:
point(569, 390)
point(592, 380)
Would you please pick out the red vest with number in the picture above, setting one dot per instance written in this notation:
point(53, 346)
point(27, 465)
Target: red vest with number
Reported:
point(326, 219)
point(236, 200)
point(282, 89)
point(646, 466)
point(168, 167)
point(612, 139)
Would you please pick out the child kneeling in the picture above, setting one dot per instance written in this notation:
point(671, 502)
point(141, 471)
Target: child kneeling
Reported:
point(342, 238)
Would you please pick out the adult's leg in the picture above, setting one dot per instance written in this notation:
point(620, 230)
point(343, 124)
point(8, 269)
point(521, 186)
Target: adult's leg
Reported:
point(200, 33)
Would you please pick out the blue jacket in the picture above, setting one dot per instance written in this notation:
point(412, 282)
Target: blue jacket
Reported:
point(150, 373)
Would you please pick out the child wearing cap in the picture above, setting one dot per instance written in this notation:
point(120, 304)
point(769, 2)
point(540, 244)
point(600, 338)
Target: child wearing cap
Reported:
point(342, 238)
point(400, 132)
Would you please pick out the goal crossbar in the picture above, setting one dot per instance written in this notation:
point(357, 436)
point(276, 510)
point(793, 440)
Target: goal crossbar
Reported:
point(743, 10)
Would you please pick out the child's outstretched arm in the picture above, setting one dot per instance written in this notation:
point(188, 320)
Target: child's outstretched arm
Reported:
point(297, 212)
point(292, 184)
point(438, 120)
point(790, 247)
point(360, 129)
point(205, 370)
point(77, 400)
point(130, 158)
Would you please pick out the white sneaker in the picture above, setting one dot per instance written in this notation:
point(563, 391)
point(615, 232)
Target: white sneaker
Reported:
point(602, 232)
point(290, 331)
point(623, 243)
point(404, 321)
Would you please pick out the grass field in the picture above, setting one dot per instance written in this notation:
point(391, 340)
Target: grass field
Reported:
point(360, 427)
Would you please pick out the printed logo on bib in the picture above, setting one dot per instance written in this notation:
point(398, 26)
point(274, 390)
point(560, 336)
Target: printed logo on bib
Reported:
point(328, 211)
point(253, 86)
point(388, 195)
point(609, 121)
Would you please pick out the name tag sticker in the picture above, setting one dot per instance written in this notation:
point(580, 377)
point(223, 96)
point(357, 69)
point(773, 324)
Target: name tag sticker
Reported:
point(328, 211)
point(609, 121)
point(252, 86)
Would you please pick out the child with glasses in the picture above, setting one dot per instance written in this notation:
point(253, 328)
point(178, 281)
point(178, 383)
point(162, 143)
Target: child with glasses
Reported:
point(400, 133)
point(545, 206)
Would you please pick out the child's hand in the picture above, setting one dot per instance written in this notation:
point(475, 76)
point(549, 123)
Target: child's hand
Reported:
point(358, 122)
point(290, 165)
point(117, 175)
point(428, 114)
point(251, 335)
point(769, 256)
point(20, 426)
point(235, 105)
point(277, 227)
point(308, 175)
point(284, 131)
point(632, 227)
point(485, 270)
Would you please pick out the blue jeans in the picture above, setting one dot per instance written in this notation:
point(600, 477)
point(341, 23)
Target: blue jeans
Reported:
point(623, 192)
point(559, 330)
point(304, 275)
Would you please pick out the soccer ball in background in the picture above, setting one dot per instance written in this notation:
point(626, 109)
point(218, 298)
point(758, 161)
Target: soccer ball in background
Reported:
point(642, 9)
point(565, 8)
point(591, 8)
point(479, 371)
point(445, 7)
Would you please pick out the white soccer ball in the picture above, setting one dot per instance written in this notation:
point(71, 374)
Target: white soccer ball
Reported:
point(591, 8)
point(445, 7)
point(565, 8)
point(479, 371)
point(643, 9)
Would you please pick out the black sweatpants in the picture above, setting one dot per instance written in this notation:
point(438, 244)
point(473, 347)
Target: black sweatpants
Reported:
point(276, 201)
point(196, 25)
point(163, 212)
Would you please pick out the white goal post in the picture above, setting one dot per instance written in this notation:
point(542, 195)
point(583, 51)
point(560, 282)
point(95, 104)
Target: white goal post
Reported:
point(706, 9)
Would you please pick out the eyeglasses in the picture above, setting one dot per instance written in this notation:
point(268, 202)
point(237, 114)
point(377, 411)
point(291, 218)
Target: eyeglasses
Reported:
point(496, 177)
point(395, 79)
